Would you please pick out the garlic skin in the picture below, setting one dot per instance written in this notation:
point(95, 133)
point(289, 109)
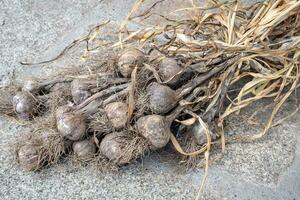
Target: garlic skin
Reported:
point(112, 148)
point(79, 91)
point(129, 59)
point(28, 157)
point(155, 129)
point(71, 125)
point(24, 105)
point(161, 98)
point(117, 114)
point(84, 149)
point(169, 68)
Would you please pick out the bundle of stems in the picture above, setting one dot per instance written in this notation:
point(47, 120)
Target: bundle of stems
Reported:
point(170, 82)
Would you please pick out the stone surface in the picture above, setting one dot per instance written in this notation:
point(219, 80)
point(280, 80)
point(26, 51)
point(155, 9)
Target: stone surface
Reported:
point(37, 30)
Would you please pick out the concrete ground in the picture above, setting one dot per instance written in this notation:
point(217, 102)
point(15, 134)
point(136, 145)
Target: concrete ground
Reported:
point(37, 30)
